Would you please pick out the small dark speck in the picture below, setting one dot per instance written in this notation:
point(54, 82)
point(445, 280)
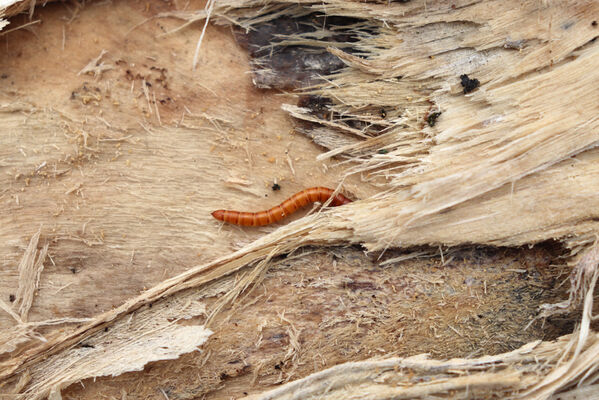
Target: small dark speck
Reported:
point(11, 298)
point(383, 113)
point(278, 336)
point(4, 76)
point(383, 151)
point(89, 346)
point(276, 186)
point(150, 305)
point(106, 329)
point(567, 25)
point(594, 23)
point(469, 84)
point(73, 270)
point(431, 120)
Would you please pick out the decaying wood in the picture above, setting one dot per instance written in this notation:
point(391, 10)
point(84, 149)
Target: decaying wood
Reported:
point(418, 376)
point(511, 163)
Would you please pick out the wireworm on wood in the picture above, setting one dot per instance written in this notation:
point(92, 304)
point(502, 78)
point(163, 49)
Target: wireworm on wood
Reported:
point(277, 213)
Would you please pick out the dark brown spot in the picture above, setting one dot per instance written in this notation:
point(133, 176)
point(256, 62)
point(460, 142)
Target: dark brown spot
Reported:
point(469, 84)
point(431, 120)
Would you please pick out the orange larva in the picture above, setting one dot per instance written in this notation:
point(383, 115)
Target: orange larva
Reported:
point(277, 213)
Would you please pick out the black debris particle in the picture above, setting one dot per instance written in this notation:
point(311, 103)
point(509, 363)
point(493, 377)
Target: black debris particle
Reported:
point(317, 104)
point(314, 102)
point(4, 76)
point(383, 151)
point(11, 297)
point(431, 120)
point(88, 346)
point(276, 186)
point(383, 113)
point(469, 84)
point(594, 23)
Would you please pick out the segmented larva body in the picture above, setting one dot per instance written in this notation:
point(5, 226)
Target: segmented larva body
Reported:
point(277, 213)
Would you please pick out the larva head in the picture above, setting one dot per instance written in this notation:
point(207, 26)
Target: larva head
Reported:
point(340, 200)
point(219, 215)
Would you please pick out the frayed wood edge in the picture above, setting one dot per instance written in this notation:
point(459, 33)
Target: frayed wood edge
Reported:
point(276, 243)
point(8, 8)
point(582, 278)
point(30, 270)
point(572, 356)
point(3, 22)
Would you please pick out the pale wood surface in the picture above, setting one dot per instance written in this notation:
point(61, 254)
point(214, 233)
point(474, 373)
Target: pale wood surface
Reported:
point(120, 180)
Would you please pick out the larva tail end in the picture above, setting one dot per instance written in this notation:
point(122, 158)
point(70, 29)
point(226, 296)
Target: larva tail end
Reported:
point(219, 215)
